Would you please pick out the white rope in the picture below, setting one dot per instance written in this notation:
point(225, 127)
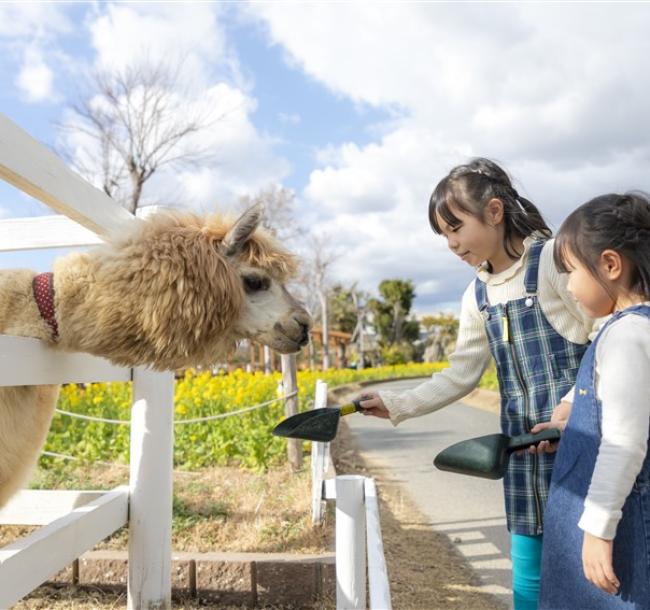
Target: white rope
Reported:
point(126, 466)
point(180, 421)
point(239, 412)
point(125, 422)
point(76, 459)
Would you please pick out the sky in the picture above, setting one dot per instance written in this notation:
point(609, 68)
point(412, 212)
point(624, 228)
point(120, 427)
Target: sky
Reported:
point(359, 108)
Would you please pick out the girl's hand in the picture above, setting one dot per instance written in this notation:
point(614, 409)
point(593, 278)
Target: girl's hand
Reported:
point(558, 420)
point(597, 563)
point(373, 405)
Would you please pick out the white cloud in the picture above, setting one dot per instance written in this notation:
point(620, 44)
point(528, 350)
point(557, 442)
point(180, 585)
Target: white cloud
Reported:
point(28, 35)
point(193, 39)
point(32, 20)
point(35, 79)
point(290, 118)
point(554, 92)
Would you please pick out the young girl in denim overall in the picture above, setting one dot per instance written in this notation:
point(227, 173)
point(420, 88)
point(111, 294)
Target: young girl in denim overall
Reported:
point(597, 523)
point(517, 310)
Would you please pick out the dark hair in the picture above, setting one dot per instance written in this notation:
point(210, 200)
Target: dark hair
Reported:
point(609, 222)
point(470, 187)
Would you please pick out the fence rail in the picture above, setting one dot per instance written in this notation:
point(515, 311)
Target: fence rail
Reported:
point(28, 562)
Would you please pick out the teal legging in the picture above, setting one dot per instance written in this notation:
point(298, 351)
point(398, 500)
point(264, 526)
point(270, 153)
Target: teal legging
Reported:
point(526, 556)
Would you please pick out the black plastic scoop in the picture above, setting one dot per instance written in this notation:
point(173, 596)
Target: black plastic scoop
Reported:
point(317, 424)
point(487, 456)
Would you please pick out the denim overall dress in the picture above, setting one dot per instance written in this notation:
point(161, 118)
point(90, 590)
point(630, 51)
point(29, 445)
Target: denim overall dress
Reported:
point(536, 367)
point(563, 583)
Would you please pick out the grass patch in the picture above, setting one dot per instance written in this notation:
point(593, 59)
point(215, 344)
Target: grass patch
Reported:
point(217, 509)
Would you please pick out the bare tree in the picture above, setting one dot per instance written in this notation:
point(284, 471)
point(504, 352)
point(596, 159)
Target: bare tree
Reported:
point(360, 300)
point(138, 123)
point(316, 283)
point(279, 211)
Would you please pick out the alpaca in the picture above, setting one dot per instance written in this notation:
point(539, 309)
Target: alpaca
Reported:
point(177, 290)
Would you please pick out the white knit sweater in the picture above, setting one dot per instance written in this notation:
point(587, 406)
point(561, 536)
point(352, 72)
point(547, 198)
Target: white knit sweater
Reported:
point(472, 354)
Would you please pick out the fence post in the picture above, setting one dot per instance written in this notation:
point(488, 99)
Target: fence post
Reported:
point(319, 461)
point(378, 586)
point(290, 384)
point(150, 502)
point(267, 360)
point(350, 543)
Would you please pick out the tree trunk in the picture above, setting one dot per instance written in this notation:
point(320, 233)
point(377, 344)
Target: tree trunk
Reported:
point(290, 385)
point(326, 335)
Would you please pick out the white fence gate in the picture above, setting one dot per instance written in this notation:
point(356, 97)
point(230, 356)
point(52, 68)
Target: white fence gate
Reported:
point(74, 522)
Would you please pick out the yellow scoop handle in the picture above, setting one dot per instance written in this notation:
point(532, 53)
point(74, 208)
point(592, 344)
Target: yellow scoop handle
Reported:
point(351, 407)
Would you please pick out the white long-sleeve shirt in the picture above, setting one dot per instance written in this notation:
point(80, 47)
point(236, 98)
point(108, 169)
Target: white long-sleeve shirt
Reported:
point(472, 354)
point(623, 386)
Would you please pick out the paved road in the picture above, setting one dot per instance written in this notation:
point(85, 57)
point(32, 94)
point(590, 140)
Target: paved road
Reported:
point(467, 509)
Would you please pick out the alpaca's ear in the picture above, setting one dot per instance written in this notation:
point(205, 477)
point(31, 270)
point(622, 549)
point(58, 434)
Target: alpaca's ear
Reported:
point(241, 231)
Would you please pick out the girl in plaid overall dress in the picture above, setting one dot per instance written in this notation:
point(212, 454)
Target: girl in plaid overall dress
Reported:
point(597, 523)
point(518, 311)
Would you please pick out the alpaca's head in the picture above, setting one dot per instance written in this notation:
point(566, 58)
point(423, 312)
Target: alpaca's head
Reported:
point(268, 313)
point(187, 288)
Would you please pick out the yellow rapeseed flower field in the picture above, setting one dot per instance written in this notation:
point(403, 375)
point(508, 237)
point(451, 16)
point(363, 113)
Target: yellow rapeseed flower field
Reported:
point(243, 439)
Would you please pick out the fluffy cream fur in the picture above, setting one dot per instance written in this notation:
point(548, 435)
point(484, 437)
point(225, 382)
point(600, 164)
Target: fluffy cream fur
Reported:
point(169, 294)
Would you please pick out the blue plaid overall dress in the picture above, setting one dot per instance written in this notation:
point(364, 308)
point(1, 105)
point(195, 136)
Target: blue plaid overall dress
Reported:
point(563, 583)
point(536, 367)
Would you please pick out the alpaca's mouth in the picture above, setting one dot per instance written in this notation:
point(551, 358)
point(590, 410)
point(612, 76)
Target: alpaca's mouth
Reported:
point(286, 342)
point(289, 345)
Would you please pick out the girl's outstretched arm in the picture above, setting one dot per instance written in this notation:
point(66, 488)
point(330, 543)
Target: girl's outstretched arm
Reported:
point(466, 365)
point(372, 404)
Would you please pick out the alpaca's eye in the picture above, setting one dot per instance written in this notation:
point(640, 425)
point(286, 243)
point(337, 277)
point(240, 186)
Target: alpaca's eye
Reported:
point(255, 283)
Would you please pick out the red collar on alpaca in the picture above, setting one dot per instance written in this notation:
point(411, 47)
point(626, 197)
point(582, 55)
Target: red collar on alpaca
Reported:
point(43, 286)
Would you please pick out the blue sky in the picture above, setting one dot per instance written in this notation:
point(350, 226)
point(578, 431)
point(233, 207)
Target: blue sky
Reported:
point(360, 108)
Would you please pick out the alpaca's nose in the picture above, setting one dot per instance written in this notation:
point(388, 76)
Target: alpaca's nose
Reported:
point(303, 320)
point(304, 337)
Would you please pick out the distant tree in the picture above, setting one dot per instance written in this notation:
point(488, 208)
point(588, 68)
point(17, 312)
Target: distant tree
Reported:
point(137, 121)
point(391, 310)
point(343, 311)
point(428, 322)
point(411, 330)
point(443, 331)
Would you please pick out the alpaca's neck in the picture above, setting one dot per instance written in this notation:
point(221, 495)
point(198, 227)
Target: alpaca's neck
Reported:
point(105, 311)
point(75, 290)
point(19, 313)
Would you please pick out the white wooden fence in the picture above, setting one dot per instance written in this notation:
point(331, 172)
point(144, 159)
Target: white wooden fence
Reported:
point(359, 546)
point(74, 522)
